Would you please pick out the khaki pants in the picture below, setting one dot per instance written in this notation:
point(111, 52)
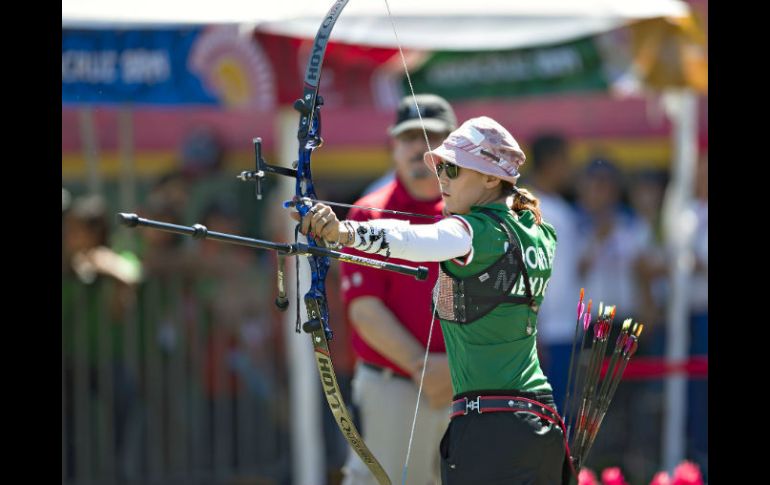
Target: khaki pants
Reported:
point(386, 404)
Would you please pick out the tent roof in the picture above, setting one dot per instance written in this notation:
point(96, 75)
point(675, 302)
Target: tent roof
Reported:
point(427, 24)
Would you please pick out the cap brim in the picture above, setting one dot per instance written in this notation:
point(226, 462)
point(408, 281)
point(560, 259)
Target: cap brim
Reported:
point(467, 160)
point(437, 155)
point(431, 124)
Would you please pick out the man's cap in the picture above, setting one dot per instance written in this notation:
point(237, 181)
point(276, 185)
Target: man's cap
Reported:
point(436, 113)
point(481, 144)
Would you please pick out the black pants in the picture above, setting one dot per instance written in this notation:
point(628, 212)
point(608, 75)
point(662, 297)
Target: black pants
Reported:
point(502, 448)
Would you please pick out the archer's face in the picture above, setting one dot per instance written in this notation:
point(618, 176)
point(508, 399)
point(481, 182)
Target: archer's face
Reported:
point(467, 189)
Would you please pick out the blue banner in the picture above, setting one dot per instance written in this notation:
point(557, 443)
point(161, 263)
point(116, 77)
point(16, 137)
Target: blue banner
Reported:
point(140, 67)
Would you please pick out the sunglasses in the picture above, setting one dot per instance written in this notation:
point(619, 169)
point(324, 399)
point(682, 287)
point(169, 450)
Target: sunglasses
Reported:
point(452, 170)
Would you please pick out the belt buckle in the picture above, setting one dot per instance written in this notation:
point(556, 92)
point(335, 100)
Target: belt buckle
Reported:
point(473, 404)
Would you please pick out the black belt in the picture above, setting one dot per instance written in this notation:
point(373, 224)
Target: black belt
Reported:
point(385, 371)
point(514, 404)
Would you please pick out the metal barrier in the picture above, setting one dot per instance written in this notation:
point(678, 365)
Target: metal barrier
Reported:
point(154, 391)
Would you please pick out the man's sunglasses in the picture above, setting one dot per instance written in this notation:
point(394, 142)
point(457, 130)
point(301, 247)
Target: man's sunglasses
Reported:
point(452, 170)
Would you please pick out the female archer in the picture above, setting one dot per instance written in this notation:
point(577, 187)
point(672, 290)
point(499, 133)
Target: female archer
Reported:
point(496, 253)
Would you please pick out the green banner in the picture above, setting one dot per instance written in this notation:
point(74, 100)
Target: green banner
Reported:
point(569, 67)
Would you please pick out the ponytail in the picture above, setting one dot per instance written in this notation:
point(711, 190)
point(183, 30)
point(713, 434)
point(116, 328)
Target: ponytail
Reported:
point(522, 199)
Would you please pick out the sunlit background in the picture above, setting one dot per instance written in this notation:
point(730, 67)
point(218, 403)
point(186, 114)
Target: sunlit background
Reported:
point(176, 365)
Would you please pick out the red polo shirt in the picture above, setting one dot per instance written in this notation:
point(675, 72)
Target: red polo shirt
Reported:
point(405, 296)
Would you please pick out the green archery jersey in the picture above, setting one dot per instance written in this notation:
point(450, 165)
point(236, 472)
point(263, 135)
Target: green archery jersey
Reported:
point(498, 351)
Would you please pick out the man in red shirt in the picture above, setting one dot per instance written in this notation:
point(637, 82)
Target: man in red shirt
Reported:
point(390, 315)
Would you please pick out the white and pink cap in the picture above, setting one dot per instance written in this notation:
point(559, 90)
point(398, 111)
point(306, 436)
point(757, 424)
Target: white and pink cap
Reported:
point(483, 145)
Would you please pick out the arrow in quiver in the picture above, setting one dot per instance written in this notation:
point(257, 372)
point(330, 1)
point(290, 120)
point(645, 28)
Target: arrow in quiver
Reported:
point(589, 393)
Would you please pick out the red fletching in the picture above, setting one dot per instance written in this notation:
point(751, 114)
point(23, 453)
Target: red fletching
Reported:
point(587, 316)
point(634, 346)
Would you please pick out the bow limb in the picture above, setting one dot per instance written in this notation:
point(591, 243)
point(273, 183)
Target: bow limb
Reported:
point(334, 395)
point(309, 137)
